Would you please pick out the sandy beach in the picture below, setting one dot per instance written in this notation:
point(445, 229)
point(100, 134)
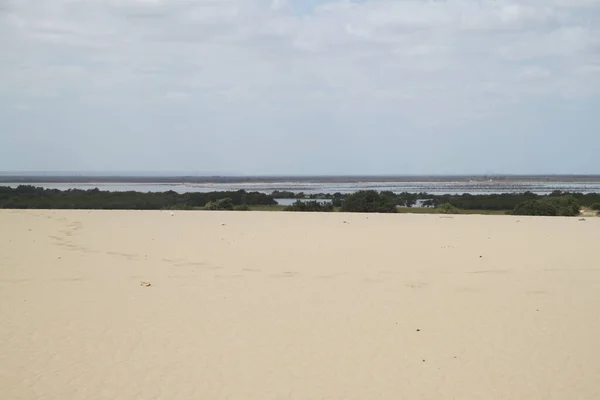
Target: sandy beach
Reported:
point(260, 306)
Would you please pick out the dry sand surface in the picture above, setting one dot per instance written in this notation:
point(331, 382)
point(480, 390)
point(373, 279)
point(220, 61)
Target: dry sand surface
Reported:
point(297, 306)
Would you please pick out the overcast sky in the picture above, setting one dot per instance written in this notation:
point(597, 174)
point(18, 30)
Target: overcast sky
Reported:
point(300, 86)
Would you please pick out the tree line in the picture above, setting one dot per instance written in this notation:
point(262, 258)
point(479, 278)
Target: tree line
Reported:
point(528, 203)
point(557, 203)
point(26, 196)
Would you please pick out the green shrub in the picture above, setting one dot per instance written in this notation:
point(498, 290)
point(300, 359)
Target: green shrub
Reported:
point(369, 201)
point(595, 206)
point(211, 205)
point(222, 204)
point(308, 206)
point(242, 207)
point(565, 206)
point(448, 208)
point(536, 207)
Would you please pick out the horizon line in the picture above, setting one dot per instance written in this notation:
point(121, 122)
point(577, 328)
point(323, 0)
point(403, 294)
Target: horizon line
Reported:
point(184, 174)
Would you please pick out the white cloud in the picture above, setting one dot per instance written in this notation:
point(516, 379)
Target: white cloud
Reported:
point(535, 73)
point(457, 60)
point(258, 45)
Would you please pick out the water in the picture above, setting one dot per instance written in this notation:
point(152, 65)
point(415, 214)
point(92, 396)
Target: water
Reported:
point(438, 188)
point(289, 202)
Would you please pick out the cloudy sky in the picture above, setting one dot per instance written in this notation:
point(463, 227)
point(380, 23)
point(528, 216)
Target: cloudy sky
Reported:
point(300, 86)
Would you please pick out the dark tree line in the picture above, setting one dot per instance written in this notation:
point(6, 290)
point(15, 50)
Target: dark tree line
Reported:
point(284, 194)
point(368, 201)
point(504, 202)
point(404, 199)
point(26, 196)
point(555, 204)
point(528, 203)
point(310, 206)
point(564, 206)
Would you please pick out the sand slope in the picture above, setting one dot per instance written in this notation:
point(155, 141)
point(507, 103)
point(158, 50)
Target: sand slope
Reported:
point(297, 306)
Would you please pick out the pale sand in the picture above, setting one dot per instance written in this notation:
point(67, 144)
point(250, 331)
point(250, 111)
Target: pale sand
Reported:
point(297, 306)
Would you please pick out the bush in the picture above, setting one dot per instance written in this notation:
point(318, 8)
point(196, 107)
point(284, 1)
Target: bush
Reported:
point(535, 207)
point(369, 201)
point(242, 207)
point(595, 206)
point(307, 206)
point(448, 208)
point(565, 206)
point(337, 202)
point(222, 204)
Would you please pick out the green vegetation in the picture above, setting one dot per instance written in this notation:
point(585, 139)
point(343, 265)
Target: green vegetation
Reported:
point(267, 208)
point(370, 201)
point(507, 201)
point(225, 204)
point(565, 206)
point(314, 206)
point(423, 210)
point(585, 200)
point(36, 197)
point(500, 202)
point(239, 197)
point(448, 208)
point(284, 194)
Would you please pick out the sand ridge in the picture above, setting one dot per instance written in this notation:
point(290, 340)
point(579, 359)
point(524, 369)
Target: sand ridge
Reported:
point(251, 305)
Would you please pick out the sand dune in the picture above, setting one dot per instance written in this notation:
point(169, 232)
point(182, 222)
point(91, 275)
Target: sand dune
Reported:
point(297, 306)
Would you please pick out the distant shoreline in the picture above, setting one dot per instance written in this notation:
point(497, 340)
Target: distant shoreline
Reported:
point(108, 179)
point(313, 186)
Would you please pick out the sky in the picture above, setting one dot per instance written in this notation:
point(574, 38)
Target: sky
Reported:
point(313, 87)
